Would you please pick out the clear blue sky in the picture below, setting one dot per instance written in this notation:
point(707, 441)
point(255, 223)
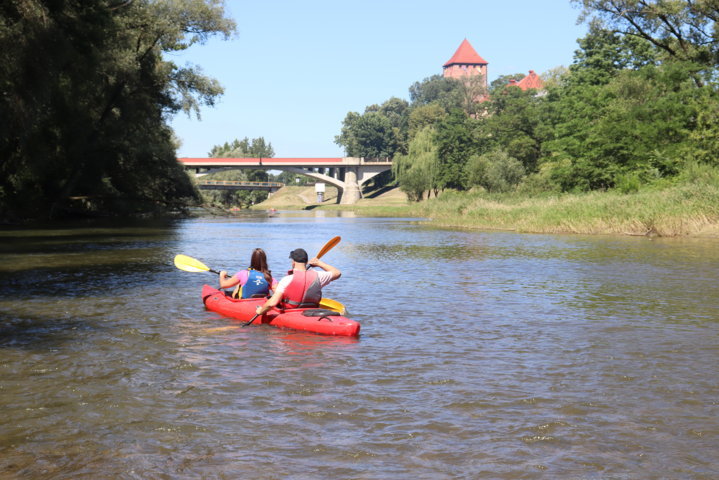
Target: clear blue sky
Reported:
point(295, 69)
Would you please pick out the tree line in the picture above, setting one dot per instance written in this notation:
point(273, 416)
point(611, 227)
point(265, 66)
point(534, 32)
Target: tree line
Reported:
point(87, 90)
point(638, 104)
point(86, 94)
point(246, 148)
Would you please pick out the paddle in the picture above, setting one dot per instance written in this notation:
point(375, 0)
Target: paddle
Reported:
point(335, 306)
point(251, 320)
point(329, 246)
point(328, 303)
point(189, 264)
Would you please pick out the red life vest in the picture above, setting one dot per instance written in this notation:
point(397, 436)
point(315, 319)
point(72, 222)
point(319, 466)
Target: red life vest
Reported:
point(304, 291)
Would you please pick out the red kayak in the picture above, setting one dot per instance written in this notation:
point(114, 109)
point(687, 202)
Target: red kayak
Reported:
point(315, 320)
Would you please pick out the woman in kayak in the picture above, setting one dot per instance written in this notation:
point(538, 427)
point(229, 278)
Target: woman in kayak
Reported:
point(302, 288)
point(254, 282)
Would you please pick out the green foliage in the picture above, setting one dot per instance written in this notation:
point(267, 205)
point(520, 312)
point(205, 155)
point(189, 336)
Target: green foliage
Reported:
point(245, 148)
point(472, 94)
point(515, 124)
point(603, 53)
point(455, 144)
point(445, 92)
point(425, 116)
point(396, 111)
point(291, 178)
point(681, 30)
point(639, 122)
point(86, 97)
point(417, 172)
point(495, 171)
point(369, 135)
point(503, 80)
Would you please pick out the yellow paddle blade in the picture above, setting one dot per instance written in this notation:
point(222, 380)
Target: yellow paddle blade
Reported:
point(189, 264)
point(329, 246)
point(335, 306)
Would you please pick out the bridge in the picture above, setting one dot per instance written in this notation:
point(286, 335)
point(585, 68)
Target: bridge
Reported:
point(348, 174)
point(238, 185)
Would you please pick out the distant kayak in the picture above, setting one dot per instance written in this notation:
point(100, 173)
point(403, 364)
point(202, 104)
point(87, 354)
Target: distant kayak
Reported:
point(315, 320)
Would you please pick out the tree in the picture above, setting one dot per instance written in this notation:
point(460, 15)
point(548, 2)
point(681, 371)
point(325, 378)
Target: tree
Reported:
point(495, 171)
point(369, 135)
point(515, 124)
point(436, 89)
point(473, 93)
point(503, 80)
point(418, 171)
point(396, 110)
point(455, 145)
point(424, 116)
point(640, 123)
point(86, 98)
point(684, 30)
point(554, 77)
point(245, 148)
point(603, 53)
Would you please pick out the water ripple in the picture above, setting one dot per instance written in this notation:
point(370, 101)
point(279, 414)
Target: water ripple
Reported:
point(482, 355)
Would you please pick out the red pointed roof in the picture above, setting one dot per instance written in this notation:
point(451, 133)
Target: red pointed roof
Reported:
point(465, 55)
point(531, 81)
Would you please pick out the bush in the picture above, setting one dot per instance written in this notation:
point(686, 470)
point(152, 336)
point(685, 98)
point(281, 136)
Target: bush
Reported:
point(496, 171)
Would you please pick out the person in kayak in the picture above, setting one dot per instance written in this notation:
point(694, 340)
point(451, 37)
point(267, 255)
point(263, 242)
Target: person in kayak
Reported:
point(301, 288)
point(254, 282)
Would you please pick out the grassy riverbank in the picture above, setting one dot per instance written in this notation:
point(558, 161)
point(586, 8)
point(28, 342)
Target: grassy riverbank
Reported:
point(688, 207)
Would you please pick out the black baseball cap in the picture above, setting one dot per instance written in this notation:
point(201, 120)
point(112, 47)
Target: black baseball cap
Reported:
point(299, 255)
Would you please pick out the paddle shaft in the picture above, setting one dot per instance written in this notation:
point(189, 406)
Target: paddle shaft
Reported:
point(251, 320)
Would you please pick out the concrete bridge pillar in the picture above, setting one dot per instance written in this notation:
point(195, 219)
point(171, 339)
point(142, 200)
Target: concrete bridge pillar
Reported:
point(351, 192)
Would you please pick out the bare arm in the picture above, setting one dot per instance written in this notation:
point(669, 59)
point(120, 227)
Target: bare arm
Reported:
point(271, 302)
point(227, 282)
point(316, 262)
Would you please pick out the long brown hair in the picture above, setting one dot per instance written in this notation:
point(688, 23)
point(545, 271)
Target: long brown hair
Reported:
point(258, 262)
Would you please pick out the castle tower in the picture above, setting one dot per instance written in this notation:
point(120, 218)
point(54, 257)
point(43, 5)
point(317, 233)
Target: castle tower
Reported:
point(465, 62)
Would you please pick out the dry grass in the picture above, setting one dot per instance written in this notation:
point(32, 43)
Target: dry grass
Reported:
point(678, 211)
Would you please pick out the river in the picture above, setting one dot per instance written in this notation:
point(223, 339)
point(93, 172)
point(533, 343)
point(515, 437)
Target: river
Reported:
point(481, 355)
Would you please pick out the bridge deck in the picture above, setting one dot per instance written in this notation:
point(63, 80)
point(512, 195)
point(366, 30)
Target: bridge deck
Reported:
point(280, 162)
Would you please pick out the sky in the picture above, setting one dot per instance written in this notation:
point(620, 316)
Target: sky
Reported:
point(295, 69)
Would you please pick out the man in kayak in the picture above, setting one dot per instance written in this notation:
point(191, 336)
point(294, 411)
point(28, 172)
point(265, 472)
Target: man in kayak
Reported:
point(301, 288)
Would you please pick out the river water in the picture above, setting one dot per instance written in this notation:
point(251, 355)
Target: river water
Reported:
point(482, 355)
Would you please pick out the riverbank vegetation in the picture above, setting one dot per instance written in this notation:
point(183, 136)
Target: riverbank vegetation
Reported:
point(245, 148)
point(688, 205)
point(87, 92)
point(628, 123)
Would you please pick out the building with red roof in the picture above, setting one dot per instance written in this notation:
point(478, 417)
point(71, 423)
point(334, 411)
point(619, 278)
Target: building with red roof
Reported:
point(465, 62)
point(530, 81)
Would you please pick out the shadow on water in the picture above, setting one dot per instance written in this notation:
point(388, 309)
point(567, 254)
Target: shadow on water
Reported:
point(69, 239)
point(41, 332)
point(76, 281)
point(54, 278)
